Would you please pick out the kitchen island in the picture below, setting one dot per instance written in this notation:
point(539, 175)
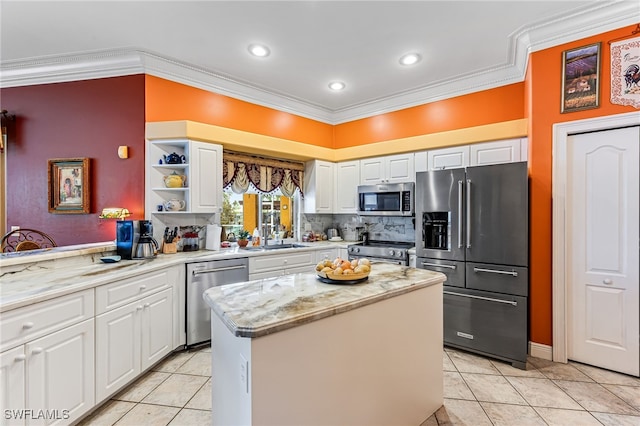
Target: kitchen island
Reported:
point(295, 351)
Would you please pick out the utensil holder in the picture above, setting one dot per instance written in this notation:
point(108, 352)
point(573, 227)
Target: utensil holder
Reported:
point(168, 248)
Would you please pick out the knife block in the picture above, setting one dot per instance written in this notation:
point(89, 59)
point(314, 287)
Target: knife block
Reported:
point(168, 248)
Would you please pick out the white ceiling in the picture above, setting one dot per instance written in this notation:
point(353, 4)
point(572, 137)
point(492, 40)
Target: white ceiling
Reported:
point(465, 45)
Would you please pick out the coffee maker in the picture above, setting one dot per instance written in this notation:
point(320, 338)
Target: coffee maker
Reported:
point(134, 239)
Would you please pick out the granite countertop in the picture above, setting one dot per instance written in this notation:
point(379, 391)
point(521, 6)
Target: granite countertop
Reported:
point(258, 308)
point(30, 279)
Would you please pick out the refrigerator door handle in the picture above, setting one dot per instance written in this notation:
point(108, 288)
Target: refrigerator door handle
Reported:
point(495, 271)
point(468, 213)
point(438, 265)
point(488, 299)
point(459, 214)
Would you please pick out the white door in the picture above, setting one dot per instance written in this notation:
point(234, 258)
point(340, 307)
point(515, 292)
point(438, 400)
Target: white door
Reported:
point(400, 168)
point(602, 230)
point(117, 348)
point(157, 327)
point(372, 171)
point(60, 374)
point(12, 385)
point(346, 187)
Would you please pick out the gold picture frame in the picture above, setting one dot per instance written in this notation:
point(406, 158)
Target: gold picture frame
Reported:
point(581, 78)
point(69, 185)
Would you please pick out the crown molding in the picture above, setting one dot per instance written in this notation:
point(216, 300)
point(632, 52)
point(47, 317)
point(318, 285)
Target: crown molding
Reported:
point(596, 18)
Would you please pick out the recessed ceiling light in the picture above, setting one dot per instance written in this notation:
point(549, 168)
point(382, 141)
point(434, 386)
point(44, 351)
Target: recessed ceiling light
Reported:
point(337, 86)
point(259, 50)
point(410, 59)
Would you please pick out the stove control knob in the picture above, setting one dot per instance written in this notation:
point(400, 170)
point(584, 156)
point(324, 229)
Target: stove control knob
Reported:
point(392, 252)
point(356, 249)
point(401, 254)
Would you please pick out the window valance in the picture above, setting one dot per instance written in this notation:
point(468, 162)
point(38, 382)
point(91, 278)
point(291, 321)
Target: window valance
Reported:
point(265, 174)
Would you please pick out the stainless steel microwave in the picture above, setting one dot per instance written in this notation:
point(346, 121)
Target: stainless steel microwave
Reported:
point(386, 199)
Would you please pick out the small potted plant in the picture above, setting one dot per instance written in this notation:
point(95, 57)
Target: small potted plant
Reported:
point(243, 236)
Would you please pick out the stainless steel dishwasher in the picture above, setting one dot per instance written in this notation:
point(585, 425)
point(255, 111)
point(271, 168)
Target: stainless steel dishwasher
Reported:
point(200, 277)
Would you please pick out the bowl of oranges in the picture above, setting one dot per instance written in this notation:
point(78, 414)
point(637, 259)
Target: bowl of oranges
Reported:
point(341, 271)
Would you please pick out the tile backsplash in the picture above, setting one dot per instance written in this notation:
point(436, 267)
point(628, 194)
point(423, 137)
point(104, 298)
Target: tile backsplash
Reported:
point(385, 228)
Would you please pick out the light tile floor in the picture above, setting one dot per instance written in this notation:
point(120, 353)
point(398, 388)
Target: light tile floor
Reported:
point(477, 391)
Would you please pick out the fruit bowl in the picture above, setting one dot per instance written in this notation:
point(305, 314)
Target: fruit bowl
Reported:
point(343, 271)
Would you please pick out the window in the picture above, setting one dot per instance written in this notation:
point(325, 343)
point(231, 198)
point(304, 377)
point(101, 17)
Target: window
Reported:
point(252, 210)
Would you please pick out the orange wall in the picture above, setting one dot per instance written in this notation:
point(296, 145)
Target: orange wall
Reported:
point(489, 106)
point(169, 101)
point(543, 85)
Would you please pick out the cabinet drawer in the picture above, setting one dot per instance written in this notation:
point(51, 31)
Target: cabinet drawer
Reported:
point(268, 263)
point(452, 269)
point(330, 254)
point(498, 278)
point(21, 325)
point(120, 293)
point(491, 323)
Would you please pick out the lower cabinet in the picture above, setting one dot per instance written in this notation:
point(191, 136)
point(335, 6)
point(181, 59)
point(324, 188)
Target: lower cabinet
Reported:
point(130, 339)
point(261, 267)
point(58, 372)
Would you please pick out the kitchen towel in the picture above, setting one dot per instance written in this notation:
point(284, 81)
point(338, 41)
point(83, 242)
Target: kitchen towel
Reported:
point(213, 237)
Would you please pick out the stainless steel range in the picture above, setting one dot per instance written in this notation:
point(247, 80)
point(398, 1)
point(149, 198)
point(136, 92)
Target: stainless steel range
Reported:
point(381, 251)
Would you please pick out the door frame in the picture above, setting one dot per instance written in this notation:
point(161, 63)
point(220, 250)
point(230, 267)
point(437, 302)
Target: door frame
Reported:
point(561, 133)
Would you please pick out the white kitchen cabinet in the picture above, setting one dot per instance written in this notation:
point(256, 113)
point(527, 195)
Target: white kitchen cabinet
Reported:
point(329, 253)
point(504, 151)
point(388, 169)
point(131, 338)
point(448, 158)
point(60, 373)
point(12, 383)
point(280, 264)
point(319, 178)
point(421, 161)
point(202, 167)
point(47, 359)
point(346, 187)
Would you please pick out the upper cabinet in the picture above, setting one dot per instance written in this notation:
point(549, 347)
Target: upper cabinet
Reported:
point(505, 151)
point(319, 178)
point(448, 158)
point(480, 154)
point(387, 169)
point(183, 176)
point(346, 187)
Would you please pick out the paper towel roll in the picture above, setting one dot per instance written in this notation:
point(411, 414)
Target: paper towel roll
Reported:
point(213, 237)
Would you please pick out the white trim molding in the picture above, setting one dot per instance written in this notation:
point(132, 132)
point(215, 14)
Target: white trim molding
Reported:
point(539, 350)
point(561, 133)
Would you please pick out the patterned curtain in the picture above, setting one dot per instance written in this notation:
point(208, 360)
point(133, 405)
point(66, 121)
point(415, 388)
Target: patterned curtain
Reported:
point(265, 174)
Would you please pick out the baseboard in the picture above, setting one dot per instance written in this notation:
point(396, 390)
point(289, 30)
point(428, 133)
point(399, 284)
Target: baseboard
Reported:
point(539, 350)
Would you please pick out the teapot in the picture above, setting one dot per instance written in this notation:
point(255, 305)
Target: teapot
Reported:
point(174, 204)
point(174, 158)
point(174, 180)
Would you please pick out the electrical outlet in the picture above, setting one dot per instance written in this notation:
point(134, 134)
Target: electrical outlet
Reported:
point(244, 373)
point(15, 228)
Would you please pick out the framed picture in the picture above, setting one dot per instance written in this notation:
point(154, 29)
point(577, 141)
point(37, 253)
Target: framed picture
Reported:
point(69, 189)
point(625, 72)
point(581, 78)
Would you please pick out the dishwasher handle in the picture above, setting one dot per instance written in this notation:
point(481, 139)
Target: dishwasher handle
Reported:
point(214, 270)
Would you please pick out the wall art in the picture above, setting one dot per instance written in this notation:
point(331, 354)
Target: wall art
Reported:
point(69, 186)
point(625, 72)
point(581, 78)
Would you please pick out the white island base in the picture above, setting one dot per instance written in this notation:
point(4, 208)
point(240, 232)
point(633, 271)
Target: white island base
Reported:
point(378, 364)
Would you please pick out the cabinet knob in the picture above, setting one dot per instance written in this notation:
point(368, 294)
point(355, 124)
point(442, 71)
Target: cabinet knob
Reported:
point(607, 281)
point(142, 287)
point(146, 305)
point(20, 358)
point(28, 325)
point(139, 307)
point(36, 351)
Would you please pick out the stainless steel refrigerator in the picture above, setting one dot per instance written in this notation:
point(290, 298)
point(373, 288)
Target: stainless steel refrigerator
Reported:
point(473, 225)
